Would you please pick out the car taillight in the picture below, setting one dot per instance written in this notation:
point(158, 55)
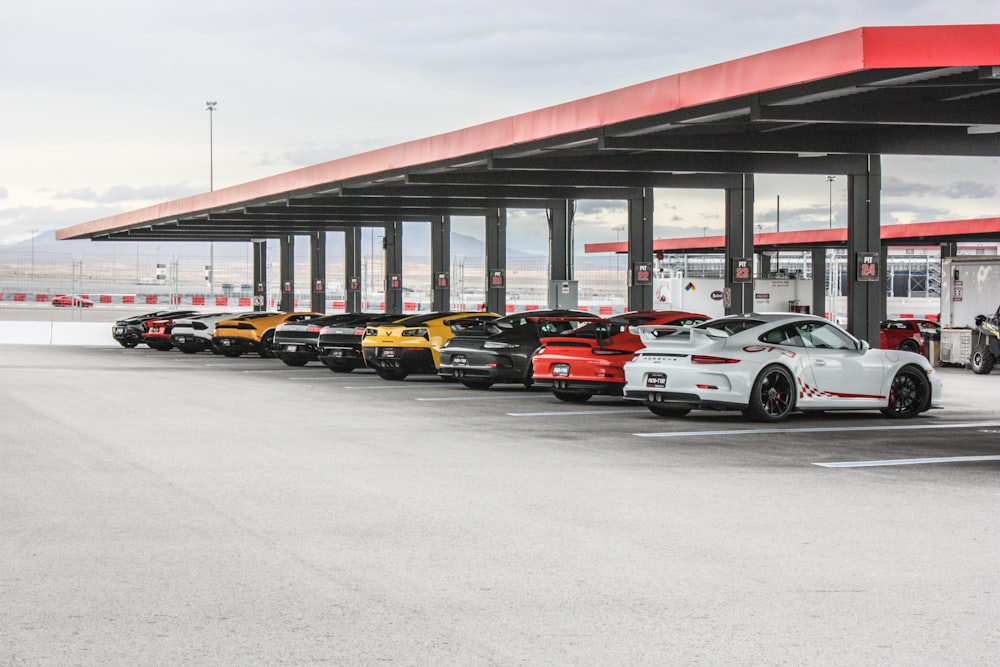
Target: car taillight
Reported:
point(371, 331)
point(705, 359)
point(359, 332)
point(312, 328)
point(605, 351)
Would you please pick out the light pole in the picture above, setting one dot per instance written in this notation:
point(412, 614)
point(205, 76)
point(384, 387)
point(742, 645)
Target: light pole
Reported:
point(829, 179)
point(33, 232)
point(210, 108)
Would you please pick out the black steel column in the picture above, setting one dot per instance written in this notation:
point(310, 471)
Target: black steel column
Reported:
point(739, 246)
point(317, 266)
point(496, 261)
point(259, 274)
point(561, 241)
point(819, 283)
point(640, 251)
point(352, 270)
point(287, 273)
point(393, 244)
point(865, 292)
point(441, 263)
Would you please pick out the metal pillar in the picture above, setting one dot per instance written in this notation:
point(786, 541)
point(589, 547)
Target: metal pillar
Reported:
point(496, 261)
point(317, 269)
point(865, 292)
point(287, 271)
point(352, 269)
point(561, 241)
point(819, 282)
point(441, 263)
point(259, 274)
point(393, 245)
point(739, 246)
point(640, 251)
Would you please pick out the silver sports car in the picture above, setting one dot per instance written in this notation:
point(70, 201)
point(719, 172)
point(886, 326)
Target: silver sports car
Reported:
point(769, 365)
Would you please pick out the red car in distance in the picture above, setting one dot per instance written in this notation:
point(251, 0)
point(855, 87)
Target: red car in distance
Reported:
point(905, 334)
point(591, 360)
point(62, 300)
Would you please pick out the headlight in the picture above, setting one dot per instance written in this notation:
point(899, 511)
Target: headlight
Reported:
point(415, 333)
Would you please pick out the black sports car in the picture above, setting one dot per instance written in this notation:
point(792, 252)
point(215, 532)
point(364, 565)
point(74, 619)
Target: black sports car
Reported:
point(297, 343)
point(340, 344)
point(501, 350)
point(128, 331)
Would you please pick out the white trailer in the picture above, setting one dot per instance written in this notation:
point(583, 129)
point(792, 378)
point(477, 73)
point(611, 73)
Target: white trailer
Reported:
point(970, 289)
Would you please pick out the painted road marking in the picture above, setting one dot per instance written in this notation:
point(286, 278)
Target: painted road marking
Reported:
point(825, 429)
point(495, 397)
point(575, 412)
point(907, 462)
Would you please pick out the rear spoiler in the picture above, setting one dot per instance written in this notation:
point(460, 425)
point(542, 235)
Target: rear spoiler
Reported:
point(655, 332)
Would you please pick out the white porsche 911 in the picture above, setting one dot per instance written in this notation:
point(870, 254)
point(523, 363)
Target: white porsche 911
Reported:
point(771, 364)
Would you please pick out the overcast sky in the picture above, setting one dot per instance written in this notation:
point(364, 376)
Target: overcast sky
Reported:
point(102, 103)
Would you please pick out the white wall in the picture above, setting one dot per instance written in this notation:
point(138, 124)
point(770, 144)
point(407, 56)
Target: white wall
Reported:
point(56, 333)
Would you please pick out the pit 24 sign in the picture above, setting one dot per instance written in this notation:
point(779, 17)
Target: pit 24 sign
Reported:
point(868, 266)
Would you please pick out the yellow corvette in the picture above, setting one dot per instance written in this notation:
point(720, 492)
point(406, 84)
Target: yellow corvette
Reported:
point(252, 332)
point(412, 345)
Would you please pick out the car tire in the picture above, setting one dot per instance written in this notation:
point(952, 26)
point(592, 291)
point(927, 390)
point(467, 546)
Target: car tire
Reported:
point(909, 345)
point(572, 396)
point(982, 360)
point(341, 369)
point(266, 347)
point(772, 397)
point(391, 373)
point(188, 350)
point(909, 395)
point(232, 354)
point(661, 410)
point(477, 384)
point(295, 362)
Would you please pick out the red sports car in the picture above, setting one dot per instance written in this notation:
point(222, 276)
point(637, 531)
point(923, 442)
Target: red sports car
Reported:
point(61, 300)
point(591, 360)
point(905, 334)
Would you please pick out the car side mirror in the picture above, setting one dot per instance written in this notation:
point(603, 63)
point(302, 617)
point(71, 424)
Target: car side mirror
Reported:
point(864, 347)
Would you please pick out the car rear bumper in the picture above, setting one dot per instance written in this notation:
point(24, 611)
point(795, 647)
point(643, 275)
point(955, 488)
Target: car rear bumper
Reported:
point(411, 360)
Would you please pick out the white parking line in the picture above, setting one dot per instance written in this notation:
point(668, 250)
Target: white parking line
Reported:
point(576, 412)
point(906, 462)
point(387, 386)
point(824, 429)
point(493, 397)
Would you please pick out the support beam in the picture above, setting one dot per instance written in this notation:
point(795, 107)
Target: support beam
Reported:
point(317, 270)
point(865, 292)
point(259, 274)
point(640, 251)
point(352, 270)
point(393, 244)
point(496, 261)
point(441, 263)
point(287, 272)
point(818, 306)
point(560, 220)
point(739, 246)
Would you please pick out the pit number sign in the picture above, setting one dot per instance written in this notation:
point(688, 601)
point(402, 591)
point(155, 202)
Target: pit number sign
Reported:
point(868, 267)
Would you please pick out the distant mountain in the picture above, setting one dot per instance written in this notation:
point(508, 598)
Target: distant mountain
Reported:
point(414, 237)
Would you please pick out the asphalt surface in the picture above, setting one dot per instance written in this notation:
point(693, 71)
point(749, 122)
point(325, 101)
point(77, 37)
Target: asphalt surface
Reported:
point(166, 509)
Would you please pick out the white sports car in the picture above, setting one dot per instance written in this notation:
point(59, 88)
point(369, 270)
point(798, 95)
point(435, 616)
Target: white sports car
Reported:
point(769, 365)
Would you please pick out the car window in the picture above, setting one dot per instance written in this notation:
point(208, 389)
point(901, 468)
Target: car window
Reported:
point(731, 326)
point(823, 335)
point(783, 336)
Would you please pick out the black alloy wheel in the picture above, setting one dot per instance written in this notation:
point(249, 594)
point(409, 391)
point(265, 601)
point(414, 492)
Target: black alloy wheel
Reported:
point(909, 395)
point(772, 398)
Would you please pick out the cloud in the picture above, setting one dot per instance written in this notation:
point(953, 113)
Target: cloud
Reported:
point(119, 194)
point(4, 193)
point(970, 190)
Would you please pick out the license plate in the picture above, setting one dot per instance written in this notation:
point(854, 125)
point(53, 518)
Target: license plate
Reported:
point(181, 339)
point(459, 360)
point(337, 354)
point(656, 381)
point(119, 330)
point(291, 348)
point(560, 370)
point(388, 353)
point(226, 342)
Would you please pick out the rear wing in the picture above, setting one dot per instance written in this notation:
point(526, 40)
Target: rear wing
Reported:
point(670, 332)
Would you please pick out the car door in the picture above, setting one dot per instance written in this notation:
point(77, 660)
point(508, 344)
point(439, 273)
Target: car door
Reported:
point(846, 374)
